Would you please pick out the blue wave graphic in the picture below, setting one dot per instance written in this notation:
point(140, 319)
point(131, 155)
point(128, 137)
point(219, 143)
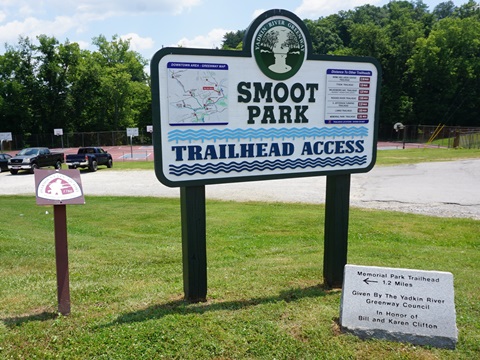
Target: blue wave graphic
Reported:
point(245, 166)
point(283, 133)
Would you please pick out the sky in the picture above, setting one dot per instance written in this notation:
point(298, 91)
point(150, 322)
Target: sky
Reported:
point(152, 24)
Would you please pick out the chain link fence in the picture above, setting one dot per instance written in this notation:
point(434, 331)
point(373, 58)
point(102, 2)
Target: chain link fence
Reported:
point(440, 135)
point(80, 139)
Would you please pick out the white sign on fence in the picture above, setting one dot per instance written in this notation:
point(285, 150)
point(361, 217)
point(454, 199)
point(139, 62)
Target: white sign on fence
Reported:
point(5, 136)
point(132, 131)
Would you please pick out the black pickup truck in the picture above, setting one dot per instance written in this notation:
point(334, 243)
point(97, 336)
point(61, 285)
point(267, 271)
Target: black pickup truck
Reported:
point(34, 158)
point(89, 157)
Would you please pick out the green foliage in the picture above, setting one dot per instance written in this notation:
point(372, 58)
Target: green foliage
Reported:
point(429, 59)
point(325, 39)
point(52, 85)
point(265, 293)
point(233, 40)
point(430, 63)
point(449, 62)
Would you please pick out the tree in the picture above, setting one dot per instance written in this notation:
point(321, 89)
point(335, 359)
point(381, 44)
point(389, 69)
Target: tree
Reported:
point(123, 78)
point(233, 40)
point(470, 9)
point(406, 23)
point(53, 85)
point(325, 39)
point(444, 10)
point(446, 68)
point(88, 108)
point(17, 88)
point(56, 63)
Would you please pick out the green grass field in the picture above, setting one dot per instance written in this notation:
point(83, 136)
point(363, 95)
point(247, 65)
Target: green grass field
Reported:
point(266, 298)
point(413, 156)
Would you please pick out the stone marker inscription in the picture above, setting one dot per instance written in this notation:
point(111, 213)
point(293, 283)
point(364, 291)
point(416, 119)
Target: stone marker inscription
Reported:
point(399, 304)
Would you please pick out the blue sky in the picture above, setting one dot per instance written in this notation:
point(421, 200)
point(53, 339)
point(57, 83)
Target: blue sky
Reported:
point(151, 24)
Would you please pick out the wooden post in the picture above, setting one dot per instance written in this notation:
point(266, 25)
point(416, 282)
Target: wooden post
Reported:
point(337, 204)
point(61, 257)
point(194, 243)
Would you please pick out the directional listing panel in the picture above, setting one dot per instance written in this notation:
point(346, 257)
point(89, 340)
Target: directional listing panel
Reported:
point(348, 97)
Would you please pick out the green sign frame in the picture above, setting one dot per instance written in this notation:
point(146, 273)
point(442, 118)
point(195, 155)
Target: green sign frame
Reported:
point(273, 110)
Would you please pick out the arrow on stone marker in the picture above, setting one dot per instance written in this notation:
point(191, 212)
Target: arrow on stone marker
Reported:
point(368, 281)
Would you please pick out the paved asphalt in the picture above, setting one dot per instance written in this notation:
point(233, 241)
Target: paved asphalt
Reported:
point(448, 189)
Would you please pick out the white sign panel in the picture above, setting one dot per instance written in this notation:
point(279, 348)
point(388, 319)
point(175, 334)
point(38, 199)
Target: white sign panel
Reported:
point(408, 305)
point(5, 136)
point(132, 131)
point(274, 110)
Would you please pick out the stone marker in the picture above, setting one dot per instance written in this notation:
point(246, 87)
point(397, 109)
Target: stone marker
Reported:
point(403, 305)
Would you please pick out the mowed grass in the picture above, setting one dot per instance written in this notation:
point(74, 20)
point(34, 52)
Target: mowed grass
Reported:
point(414, 156)
point(266, 298)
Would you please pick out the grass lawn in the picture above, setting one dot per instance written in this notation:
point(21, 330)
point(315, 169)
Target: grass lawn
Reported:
point(413, 156)
point(266, 299)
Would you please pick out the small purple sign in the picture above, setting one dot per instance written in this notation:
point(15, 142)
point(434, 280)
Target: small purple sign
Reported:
point(58, 187)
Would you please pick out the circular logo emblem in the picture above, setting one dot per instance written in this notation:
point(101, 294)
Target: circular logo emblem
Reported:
point(279, 48)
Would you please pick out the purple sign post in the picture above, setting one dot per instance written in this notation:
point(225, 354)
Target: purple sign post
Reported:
point(59, 188)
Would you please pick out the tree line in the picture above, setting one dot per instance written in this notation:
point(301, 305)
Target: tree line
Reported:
point(430, 62)
point(50, 85)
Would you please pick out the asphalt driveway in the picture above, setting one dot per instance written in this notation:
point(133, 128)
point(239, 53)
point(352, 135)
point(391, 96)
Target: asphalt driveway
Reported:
point(448, 189)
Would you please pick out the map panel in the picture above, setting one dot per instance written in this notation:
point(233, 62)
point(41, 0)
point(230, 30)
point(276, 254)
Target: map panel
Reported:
point(197, 93)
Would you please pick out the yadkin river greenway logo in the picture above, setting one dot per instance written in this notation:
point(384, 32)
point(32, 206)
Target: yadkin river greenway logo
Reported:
point(279, 48)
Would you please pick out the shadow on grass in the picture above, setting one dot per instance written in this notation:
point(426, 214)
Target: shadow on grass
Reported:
point(20, 320)
point(184, 307)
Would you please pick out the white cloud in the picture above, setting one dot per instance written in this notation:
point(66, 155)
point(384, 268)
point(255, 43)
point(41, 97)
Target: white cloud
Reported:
point(313, 9)
point(26, 11)
point(32, 27)
point(28, 18)
point(180, 6)
point(117, 7)
point(257, 13)
point(84, 45)
point(138, 43)
point(212, 40)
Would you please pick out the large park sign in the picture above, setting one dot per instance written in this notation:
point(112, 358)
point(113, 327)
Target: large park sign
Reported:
point(273, 110)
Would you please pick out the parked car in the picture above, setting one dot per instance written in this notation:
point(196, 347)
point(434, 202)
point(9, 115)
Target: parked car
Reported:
point(34, 158)
point(4, 162)
point(89, 157)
